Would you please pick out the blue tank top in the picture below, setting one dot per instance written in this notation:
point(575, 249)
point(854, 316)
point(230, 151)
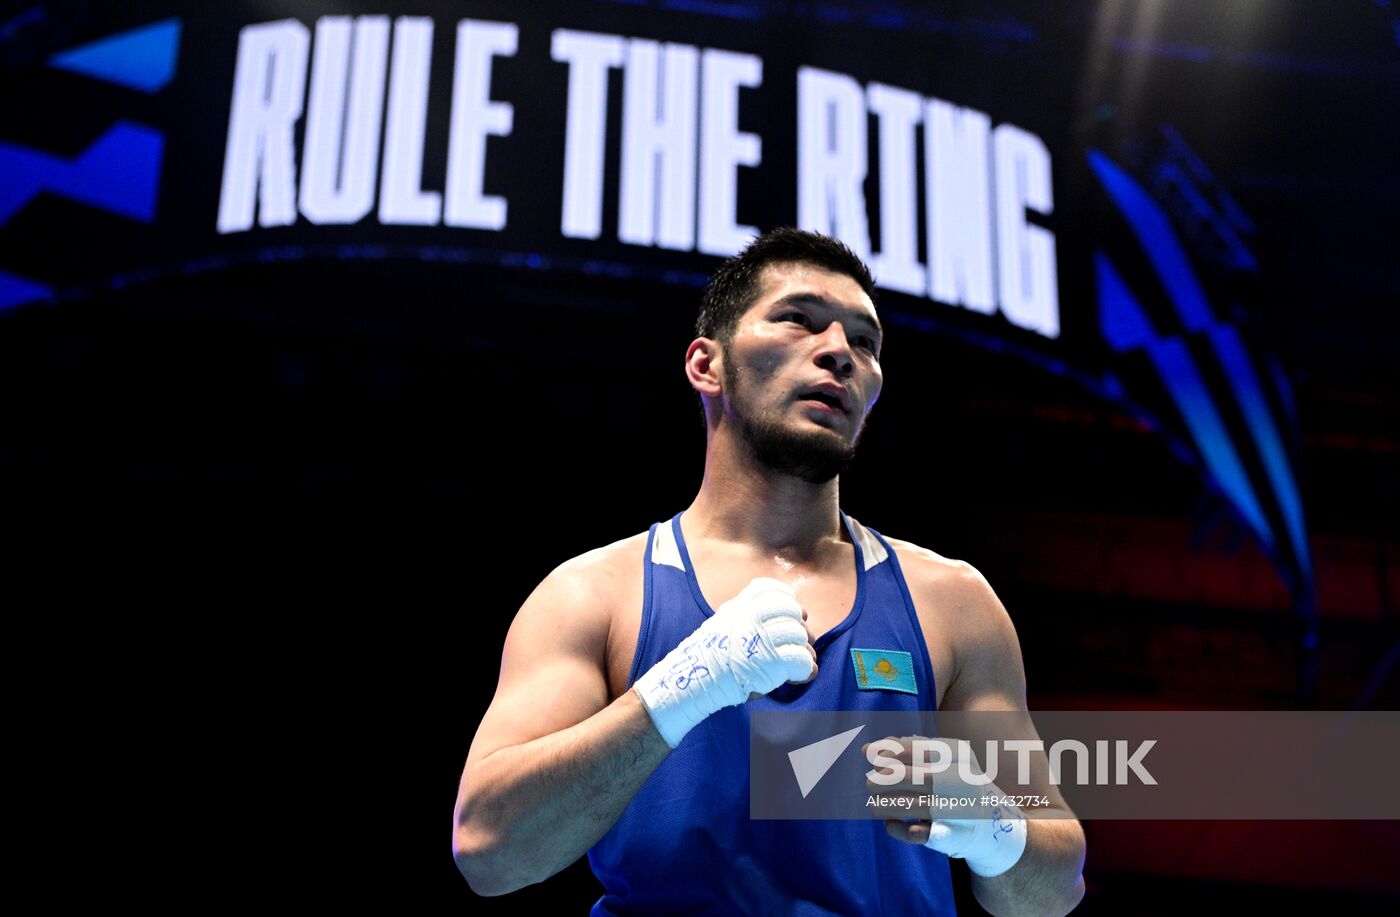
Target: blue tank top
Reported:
point(686, 844)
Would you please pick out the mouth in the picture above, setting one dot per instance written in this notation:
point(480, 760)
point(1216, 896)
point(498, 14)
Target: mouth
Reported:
point(825, 399)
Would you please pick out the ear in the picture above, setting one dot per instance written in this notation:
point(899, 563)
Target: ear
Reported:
point(703, 366)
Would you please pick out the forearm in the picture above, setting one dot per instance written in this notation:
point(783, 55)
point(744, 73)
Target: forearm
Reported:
point(530, 810)
point(1047, 880)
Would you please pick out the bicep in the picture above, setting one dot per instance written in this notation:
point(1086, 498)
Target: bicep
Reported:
point(990, 673)
point(991, 677)
point(552, 667)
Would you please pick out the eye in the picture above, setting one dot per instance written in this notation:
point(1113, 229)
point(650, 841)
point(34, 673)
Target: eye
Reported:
point(866, 342)
point(798, 317)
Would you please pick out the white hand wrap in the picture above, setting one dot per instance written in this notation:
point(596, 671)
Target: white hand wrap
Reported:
point(753, 643)
point(990, 846)
point(991, 843)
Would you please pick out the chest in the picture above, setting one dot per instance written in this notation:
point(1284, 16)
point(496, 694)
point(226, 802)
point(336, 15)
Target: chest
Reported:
point(827, 599)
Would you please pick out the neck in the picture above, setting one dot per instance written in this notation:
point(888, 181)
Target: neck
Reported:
point(743, 502)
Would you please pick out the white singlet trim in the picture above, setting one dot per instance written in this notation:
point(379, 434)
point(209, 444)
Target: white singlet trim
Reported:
point(870, 546)
point(664, 549)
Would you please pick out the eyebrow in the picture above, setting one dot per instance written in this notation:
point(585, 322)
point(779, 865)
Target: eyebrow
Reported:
point(806, 299)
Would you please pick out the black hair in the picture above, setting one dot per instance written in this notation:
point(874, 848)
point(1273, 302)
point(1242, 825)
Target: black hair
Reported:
point(733, 288)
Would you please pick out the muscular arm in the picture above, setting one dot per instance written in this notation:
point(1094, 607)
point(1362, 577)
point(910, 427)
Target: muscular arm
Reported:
point(527, 811)
point(553, 764)
point(990, 675)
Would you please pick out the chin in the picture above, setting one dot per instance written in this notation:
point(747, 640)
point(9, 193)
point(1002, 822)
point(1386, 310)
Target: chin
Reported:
point(830, 430)
point(815, 454)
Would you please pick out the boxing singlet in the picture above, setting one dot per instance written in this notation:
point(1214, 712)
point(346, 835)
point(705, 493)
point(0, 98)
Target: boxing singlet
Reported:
point(686, 843)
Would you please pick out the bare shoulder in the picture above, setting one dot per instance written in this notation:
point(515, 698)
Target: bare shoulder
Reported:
point(587, 602)
point(554, 663)
point(595, 580)
point(941, 579)
point(957, 605)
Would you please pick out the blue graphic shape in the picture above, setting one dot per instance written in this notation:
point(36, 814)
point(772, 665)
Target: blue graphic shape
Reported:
point(16, 291)
point(1283, 391)
point(1188, 389)
point(1168, 258)
point(119, 173)
point(1159, 241)
point(1126, 327)
point(1230, 350)
point(1235, 254)
point(141, 59)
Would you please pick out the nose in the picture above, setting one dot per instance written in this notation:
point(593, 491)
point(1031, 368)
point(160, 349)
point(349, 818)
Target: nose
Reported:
point(834, 351)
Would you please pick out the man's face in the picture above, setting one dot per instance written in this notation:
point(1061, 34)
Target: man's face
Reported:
point(802, 370)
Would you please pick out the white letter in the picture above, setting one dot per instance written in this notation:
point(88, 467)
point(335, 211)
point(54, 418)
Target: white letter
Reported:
point(401, 199)
point(958, 205)
point(831, 157)
point(474, 116)
point(589, 57)
point(897, 266)
point(1135, 762)
point(1081, 761)
point(330, 193)
point(723, 146)
point(1025, 253)
point(924, 765)
point(260, 158)
point(1023, 749)
point(967, 763)
point(877, 754)
point(657, 204)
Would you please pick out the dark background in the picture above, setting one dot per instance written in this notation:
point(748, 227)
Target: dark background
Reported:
point(270, 515)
